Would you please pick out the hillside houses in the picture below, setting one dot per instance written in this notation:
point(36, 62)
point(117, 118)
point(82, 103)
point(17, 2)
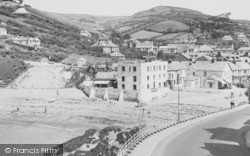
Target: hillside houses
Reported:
point(224, 49)
point(206, 50)
point(178, 48)
point(3, 31)
point(145, 46)
point(27, 41)
point(227, 38)
point(104, 46)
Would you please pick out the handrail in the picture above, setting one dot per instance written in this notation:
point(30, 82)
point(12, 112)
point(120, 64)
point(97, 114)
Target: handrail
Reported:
point(145, 132)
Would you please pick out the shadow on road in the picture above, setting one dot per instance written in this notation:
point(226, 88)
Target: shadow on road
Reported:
point(232, 135)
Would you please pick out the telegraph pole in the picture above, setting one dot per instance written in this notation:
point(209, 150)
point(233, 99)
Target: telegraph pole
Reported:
point(178, 80)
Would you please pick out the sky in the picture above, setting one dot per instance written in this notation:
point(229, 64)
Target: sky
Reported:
point(240, 9)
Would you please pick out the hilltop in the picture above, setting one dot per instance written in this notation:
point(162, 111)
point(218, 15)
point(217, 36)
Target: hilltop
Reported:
point(164, 22)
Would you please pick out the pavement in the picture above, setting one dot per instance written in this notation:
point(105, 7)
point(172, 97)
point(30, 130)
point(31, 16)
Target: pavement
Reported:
point(215, 134)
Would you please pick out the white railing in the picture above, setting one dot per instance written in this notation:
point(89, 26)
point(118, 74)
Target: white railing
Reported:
point(131, 143)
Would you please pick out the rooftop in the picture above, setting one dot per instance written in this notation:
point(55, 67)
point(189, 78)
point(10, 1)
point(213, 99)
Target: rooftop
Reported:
point(208, 66)
point(205, 48)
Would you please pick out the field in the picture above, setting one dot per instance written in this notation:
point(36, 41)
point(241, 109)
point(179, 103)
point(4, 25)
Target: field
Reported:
point(143, 34)
point(172, 36)
point(124, 28)
point(168, 26)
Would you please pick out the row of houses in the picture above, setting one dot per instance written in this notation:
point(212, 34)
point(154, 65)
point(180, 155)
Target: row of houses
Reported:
point(104, 46)
point(241, 38)
point(150, 80)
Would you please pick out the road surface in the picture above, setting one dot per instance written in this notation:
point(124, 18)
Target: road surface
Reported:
point(216, 137)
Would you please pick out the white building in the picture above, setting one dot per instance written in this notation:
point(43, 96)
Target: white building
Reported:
point(241, 37)
point(148, 80)
point(85, 33)
point(227, 38)
point(3, 32)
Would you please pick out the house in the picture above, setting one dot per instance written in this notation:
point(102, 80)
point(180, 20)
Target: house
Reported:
point(148, 80)
point(74, 60)
point(214, 75)
point(131, 43)
point(85, 33)
point(145, 46)
point(243, 50)
point(177, 73)
point(3, 31)
point(241, 37)
point(206, 49)
point(117, 57)
point(224, 49)
point(104, 46)
point(182, 57)
point(241, 71)
point(227, 38)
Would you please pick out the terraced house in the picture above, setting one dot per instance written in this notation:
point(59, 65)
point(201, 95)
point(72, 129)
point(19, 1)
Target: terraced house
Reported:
point(148, 80)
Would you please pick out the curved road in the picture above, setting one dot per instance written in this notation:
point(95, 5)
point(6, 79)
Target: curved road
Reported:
point(216, 137)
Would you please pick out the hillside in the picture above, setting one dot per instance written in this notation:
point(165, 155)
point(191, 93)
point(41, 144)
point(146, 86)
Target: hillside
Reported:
point(168, 20)
point(57, 37)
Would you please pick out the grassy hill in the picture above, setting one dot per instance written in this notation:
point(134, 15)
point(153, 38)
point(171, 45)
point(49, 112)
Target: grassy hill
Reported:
point(57, 38)
point(168, 20)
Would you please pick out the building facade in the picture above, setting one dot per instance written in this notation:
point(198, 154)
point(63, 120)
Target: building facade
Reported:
point(147, 79)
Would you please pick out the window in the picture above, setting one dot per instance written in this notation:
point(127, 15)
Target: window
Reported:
point(154, 68)
point(134, 78)
point(159, 85)
point(123, 69)
point(148, 86)
point(134, 69)
point(148, 68)
point(154, 77)
point(164, 67)
point(193, 73)
point(148, 78)
point(169, 75)
point(159, 68)
point(205, 74)
point(123, 78)
point(210, 84)
point(159, 76)
point(134, 87)
point(123, 86)
point(129, 69)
